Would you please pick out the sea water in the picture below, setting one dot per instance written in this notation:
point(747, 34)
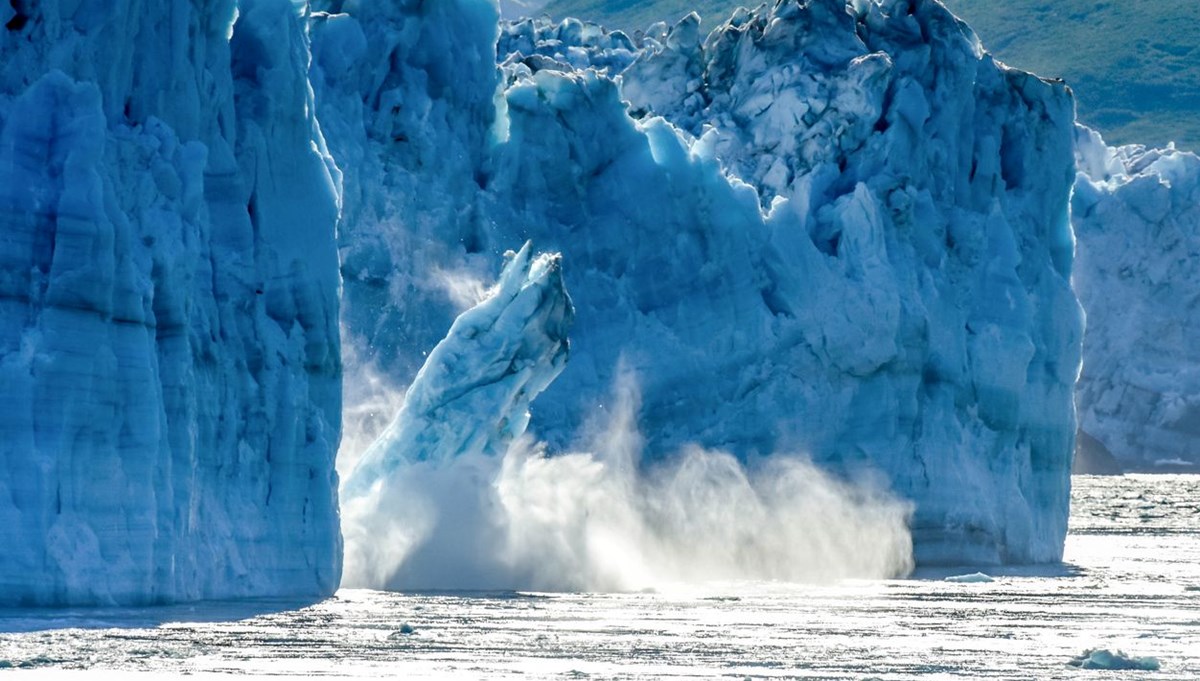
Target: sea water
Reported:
point(1130, 581)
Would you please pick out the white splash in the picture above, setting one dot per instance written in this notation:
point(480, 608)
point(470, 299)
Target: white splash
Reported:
point(599, 521)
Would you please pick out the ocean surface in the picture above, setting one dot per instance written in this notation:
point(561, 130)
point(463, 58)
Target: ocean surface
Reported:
point(1130, 581)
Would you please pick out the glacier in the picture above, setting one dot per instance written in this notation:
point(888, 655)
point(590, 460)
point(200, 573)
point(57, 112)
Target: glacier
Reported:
point(828, 232)
point(1137, 218)
point(170, 372)
point(840, 230)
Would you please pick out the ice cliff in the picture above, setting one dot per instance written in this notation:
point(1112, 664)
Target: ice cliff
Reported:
point(169, 353)
point(1137, 217)
point(832, 229)
point(825, 228)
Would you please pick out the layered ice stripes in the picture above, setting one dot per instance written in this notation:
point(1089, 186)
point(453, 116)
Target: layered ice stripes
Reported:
point(170, 365)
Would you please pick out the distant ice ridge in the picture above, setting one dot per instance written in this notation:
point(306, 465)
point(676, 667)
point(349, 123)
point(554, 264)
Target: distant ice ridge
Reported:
point(838, 230)
point(169, 352)
point(514, 9)
point(1137, 217)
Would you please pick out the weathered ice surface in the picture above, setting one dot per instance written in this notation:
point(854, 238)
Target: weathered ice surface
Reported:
point(829, 228)
point(1137, 217)
point(169, 354)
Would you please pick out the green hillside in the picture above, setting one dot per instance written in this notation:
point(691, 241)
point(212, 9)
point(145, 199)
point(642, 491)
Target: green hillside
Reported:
point(630, 15)
point(1134, 64)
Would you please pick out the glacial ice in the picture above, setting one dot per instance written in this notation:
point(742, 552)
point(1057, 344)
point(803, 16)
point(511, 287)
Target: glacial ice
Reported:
point(825, 229)
point(1137, 218)
point(472, 395)
point(169, 351)
point(463, 411)
point(828, 230)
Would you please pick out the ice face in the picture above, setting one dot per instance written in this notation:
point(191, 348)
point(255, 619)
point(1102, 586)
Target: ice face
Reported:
point(169, 351)
point(1137, 217)
point(830, 229)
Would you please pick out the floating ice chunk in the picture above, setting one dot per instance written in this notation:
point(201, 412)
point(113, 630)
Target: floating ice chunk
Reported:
point(405, 630)
point(973, 578)
point(1100, 658)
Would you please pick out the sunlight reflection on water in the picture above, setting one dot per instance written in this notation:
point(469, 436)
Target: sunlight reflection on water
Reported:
point(1130, 581)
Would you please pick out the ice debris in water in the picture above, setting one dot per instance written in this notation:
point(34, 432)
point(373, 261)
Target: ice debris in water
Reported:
point(973, 578)
point(1101, 658)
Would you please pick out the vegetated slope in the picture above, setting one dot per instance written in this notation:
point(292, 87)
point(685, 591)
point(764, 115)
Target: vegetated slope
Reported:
point(632, 15)
point(1133, 66)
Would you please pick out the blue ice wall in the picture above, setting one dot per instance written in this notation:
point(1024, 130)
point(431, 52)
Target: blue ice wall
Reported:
point(838, 229)
point(170, 397)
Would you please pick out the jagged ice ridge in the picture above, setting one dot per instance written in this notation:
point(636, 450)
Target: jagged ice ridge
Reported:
point(1137, 217)
point(831, 229)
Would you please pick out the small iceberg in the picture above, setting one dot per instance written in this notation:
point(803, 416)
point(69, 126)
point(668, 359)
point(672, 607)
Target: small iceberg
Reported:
point(403, 632)
point(973, 578)
point(1106, 659)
